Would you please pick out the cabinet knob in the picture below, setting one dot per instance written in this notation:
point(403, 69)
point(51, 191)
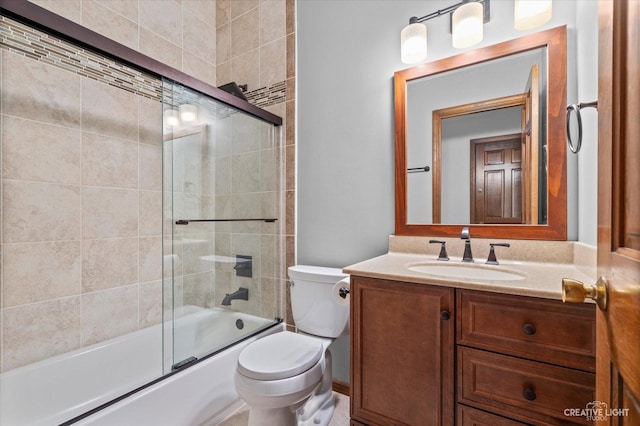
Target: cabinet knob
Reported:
point(529, 329)
point(529, 394)
point(445, 315)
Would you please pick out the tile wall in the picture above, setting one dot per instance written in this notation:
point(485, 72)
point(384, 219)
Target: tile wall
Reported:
point(81, 176)
point(82, 166)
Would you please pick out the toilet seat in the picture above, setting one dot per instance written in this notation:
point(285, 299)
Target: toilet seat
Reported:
point(279, 356)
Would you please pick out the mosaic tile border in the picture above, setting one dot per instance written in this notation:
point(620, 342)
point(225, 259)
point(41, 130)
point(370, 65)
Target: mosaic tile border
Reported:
point(32, 43)
point(29, 42)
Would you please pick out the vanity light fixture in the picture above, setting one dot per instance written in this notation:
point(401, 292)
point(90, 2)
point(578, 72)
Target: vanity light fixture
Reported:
point(468, 16)
point(467, 19)
point(529, 14)
point(188, 113)
point(171, 118)
point(466, 25)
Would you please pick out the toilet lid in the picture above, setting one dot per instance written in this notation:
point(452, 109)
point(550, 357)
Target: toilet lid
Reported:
point(279, 356)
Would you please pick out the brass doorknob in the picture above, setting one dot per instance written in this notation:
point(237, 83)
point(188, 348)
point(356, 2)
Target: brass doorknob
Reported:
point(574, 291)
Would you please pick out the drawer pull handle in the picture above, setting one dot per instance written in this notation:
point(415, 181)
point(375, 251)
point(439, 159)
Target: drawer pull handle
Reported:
point(529, 329)
point(529, 394)
point(445, 315)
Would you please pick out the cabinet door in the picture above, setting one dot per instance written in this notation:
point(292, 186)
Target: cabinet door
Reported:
point(402, 343)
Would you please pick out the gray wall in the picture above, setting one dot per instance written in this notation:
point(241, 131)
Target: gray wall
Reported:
point(347, 52)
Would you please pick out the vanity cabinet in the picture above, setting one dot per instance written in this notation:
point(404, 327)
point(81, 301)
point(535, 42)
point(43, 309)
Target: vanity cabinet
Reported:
point(518, 360)
point(402, 353)
point(524, 358)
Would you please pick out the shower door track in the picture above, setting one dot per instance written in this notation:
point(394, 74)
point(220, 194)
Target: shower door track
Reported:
point(40, 18)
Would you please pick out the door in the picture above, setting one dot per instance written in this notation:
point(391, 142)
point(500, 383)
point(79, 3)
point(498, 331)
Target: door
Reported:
point(496, 179)
point(618, 327)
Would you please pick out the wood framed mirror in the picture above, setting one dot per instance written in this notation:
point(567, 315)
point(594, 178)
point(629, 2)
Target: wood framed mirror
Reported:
point(536, 207)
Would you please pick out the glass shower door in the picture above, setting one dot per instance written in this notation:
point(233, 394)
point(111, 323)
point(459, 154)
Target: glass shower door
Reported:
point(222, 242)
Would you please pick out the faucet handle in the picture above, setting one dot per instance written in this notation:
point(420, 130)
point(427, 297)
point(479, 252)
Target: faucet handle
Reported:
point(492, 254)
point(443, 250)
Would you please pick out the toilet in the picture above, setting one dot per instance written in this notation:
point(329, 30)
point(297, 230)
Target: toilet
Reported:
point(285, 378)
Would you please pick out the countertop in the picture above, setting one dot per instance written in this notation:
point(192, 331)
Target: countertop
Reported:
point(540, 279)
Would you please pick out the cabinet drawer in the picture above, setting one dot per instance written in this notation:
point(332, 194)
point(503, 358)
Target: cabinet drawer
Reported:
point(539, 329)
point(521, 389)
point(467, 416)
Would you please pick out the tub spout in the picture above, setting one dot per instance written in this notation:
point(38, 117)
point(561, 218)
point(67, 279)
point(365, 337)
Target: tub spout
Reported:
point(242, 294)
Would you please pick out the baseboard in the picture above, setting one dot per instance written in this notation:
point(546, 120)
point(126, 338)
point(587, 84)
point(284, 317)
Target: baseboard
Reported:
point(341, 387)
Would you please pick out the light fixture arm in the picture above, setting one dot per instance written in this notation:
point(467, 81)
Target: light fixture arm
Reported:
point(450, 9)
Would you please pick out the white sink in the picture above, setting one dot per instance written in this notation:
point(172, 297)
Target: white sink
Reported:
point(470, 272)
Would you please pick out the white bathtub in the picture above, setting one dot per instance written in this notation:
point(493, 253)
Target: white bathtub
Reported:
point(60, 388)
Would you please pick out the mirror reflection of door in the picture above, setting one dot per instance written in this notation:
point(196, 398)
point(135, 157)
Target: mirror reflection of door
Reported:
point(532, 198)
point(496, 179)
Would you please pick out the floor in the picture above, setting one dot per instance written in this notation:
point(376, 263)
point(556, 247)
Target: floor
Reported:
point(340, 415)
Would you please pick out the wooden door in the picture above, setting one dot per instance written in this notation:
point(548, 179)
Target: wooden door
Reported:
point(496, 179)
point(618, 327)
point(402, 357)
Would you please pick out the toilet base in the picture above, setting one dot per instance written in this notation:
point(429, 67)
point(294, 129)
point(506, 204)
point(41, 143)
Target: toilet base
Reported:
point(272, 416)
point(322, 414)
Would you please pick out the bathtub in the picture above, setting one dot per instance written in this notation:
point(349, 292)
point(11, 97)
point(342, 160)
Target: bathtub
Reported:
point(63, 387)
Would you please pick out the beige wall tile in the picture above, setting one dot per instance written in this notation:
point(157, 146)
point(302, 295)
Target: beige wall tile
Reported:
point(149, 121)
point(198, 68)
point(108, 263)
point(40, 152)
point(27, 91)
point(206, 10)
point(150, 213)
point(70, 9)
point(126, 8)
point(150, 259)
point(244, 34)
point(198, 290)
point(245, 69)
point(199, 37)
point(150, 304)
point(109, 213)
point(109, 23)
point(245, 172)
point(244, 134)
point(150, 166)
point(41, 330)
point(273, 63)
point(223, 73)
point(160, 49)
point(239, 7)
point(100, 308)
point(40, 212)
point(223, 43)
point(163, 17)
point(272, 20)
point(109, 110)
point(34, 272)
point(194, 248)
point(223, 12)
point(107, 161)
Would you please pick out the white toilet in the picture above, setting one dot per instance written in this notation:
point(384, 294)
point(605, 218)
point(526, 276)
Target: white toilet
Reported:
point(285, 378)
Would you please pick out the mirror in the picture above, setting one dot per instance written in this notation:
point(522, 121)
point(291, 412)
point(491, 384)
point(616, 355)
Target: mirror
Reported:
point(480, 142)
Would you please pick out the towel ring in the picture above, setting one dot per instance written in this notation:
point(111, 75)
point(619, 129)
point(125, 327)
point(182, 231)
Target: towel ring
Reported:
point(575, 148)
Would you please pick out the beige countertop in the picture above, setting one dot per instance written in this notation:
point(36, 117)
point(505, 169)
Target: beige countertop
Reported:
point(537, 278)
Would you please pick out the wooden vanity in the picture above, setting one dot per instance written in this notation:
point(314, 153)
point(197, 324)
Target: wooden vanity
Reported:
point(432, 354)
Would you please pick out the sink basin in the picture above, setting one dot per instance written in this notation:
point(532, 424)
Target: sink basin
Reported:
point(469, 272)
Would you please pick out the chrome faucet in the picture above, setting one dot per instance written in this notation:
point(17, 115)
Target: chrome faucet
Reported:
point(467, 256)
point(242, 294)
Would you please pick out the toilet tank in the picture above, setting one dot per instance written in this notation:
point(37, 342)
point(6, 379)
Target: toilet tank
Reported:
point(314, 309)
